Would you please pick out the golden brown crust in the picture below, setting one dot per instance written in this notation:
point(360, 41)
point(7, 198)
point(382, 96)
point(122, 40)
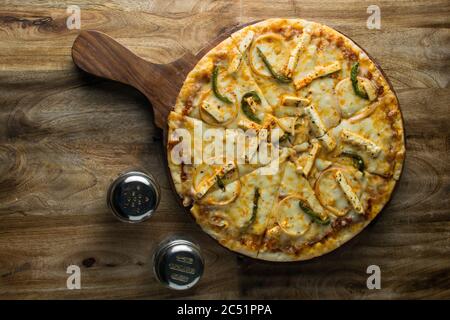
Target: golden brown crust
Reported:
point(303, 51)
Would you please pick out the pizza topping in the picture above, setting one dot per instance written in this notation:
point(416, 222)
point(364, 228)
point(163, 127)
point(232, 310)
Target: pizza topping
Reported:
point(318, 128)
point(316, 123)
point(246, 42)
point(247, 124)
point(357, 140)
point(355, 83)
point(256, 197)
point(301, 45)
point(351, 196)
point(327, 141)
point(322, 164)
point(278, 76)
point(222, 196)
point(291, 218)
point(330, 194)
point(215, 88)
point(358, 162)
point(311, 157)
point(289, 100)
point(218, 221)
point(285, 137)
point(369, 87)
point(249, 102)
point(270, 122)
point(220, 183)
point(301, 147)
point(367, 111)
point(348, 101)
point(235, 63)
point(318, 72)
point(269, 49)
point(287, 124)
point(216, 112)
point(243, 46)
point(313, 215)
point(274, 232)
point(208, 182)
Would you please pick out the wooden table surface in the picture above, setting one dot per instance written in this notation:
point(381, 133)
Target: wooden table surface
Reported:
point(64, 136)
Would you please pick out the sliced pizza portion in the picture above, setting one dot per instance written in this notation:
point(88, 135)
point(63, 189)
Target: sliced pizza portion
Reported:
point(297, 220)
point(357, 95)
point(339, 189)
point(315, 215)
point(372, 142)
point(190, 157)
point(221, 91)
point(319, 69)
point(350, 194)
point(202, 158)
point(271, 50)
point(237, 215)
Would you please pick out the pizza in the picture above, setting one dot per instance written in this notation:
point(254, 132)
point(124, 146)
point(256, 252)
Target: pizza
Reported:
point(285, 141)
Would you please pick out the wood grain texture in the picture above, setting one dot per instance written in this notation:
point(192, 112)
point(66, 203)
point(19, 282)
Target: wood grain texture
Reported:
point(65, 135)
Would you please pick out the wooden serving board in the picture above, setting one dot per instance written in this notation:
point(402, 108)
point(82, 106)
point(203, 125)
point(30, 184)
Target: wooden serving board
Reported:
point(100, 55)
point(65, 135)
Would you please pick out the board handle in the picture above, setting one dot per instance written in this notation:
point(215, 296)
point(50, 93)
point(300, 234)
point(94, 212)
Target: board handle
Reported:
point(100, 55)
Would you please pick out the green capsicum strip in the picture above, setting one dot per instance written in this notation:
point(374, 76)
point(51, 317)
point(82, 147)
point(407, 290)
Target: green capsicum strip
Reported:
point(279, 77)
point(284, 137)
point(247, 109)
point(255, 208)
point(314, 216)
point(220, 183)
point(218, 95)
point(358, 162)
point(354, 78)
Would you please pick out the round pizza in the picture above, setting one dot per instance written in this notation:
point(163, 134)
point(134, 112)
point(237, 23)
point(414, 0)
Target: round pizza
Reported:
point(286, 140)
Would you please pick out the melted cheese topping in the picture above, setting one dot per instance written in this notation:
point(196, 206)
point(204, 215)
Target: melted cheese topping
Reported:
point(291, 218)
point(322, 96)
point(287, 124)
point(205, 184)
point(273, 47)
point(221, 197)
point(349, 102)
